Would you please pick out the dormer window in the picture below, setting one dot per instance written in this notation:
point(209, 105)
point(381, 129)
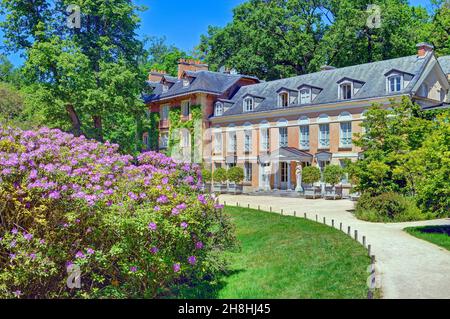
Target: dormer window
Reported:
point(305, 96)
point(283, 99)
point(248, 104)
point(218, 109)
point(395, 83)
point(165, 88)
point(346, 91)
point(186, 83)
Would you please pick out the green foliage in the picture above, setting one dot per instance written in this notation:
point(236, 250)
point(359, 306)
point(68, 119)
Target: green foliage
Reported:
point(406, 153)
point(236, 174)
point(206, 175)
point(333, 174)
point(153, 130)
point(220, 175)
point(388, 207)
point(11, 103)
point(311, 175)
point(275, 39)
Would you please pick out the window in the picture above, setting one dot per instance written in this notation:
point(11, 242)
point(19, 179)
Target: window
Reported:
point(283, 99)
point(304, 137)
point(346, 91)
point(164, 140)
point(186, 108)
point(165, 112)
point(218, 143)
point(165, 88)
point(265, 144)
point(395, 83)
point(346, 134)
point(218, 109)
point(324, 136)
point(145, 140)
point(185, 138)
point(283, 137)
point(305, 96)
point(186, 82)
point(232, 142)
point(248, 104)
point(247, 141)
point(248, 172)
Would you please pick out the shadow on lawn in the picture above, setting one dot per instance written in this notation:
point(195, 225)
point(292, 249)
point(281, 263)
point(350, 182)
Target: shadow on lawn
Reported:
point(208, 289)
point(435, 230)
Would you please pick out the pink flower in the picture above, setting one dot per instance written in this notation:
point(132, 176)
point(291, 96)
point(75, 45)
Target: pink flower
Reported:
point(176, 268)
point(184, 225)
point(90, 251)
point(133, 269)
point(152, 226)
point(192, 260)
point(154, 250)
point(199, 245)
point(80, 255)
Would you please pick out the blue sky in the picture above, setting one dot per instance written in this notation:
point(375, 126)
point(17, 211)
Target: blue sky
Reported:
point(183, 21)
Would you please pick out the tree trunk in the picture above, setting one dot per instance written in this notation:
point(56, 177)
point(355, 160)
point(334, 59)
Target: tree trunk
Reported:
point(74, 119)
point(98, 128)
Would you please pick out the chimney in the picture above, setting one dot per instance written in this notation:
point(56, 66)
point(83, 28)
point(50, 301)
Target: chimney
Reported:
point(423, 49)
point(156, 75)
point(190, 65)
point(327, 68)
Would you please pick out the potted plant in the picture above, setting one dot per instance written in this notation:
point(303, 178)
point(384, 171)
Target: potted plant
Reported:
point(333, 175)
point(220, 178)
point(311, 175)
point(235, 178)
point(206, 177)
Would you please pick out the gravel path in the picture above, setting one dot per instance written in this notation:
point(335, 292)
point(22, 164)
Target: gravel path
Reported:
point(410, 268)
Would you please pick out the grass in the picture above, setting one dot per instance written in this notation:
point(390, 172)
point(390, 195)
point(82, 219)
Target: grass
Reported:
point(438, 235)
point(289, 258)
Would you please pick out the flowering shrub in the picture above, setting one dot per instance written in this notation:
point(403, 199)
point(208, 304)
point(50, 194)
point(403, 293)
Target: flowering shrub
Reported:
point(134, 227)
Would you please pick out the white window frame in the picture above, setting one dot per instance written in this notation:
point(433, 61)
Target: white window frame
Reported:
point(280, 99)
point(393, 77)
point(164, 140)
point(265, 139)
point(248, 172)
point(248, 141)
point(341, 88)
point(165, 110)
point(232, 142)
point(186, 104)
point(218, 109)
point(218, 143)
point(249, 101)
point(304, 138)
point(283, 137)
point(307, 98)
point(326, 137)
point(345, 138)
point(165, 88)
point(186, 83)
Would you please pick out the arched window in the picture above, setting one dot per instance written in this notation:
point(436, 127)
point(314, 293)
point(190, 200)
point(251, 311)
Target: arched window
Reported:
point(218, 109)
point(395, 83)
point(249, 104)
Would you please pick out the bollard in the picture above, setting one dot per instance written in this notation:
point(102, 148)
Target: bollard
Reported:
point(324, 220)
point(369, 248)
point(349, 231)
point(340, 226)
point(295, 213)
point(332, 223)
point(364, 241)
point(259, 207)
point(248, 206)
point(282, 212)
point(317, 218)
point(306, 216)
point(270, 208)
point(356, 235)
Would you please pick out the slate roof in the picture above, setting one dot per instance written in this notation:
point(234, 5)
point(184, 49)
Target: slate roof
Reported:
point(204, 81)
point(371, 74)
point(445, 63)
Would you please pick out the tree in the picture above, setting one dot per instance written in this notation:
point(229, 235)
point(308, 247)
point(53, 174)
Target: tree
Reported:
point(220, 175)
point(107, 92)
point(439, 29)
point(236, 175)
point(274, 39)
point(163, 57)
point(333, 174)
point(11, 103)
point(311, 175)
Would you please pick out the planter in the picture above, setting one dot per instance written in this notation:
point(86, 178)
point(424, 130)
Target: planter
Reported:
point(235, 189)
point(219, 188)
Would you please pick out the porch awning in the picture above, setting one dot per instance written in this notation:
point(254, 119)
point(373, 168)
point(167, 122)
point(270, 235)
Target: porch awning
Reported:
point(291, 154)
point(231, 159)
point(324, 156)
point(264, 159)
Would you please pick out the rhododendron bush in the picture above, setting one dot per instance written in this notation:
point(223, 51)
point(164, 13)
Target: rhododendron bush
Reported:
point(134, 227)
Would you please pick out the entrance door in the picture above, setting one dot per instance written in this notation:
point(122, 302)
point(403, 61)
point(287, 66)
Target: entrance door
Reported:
point(264, 177)
point(284, 175)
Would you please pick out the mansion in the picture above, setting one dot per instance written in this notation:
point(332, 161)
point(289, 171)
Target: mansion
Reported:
point(269, 128)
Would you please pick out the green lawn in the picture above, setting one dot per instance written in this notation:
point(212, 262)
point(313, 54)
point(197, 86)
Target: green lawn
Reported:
point(439, 235)
point(290, 258)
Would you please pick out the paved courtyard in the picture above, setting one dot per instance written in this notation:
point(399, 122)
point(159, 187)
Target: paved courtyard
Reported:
point(410, 268)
